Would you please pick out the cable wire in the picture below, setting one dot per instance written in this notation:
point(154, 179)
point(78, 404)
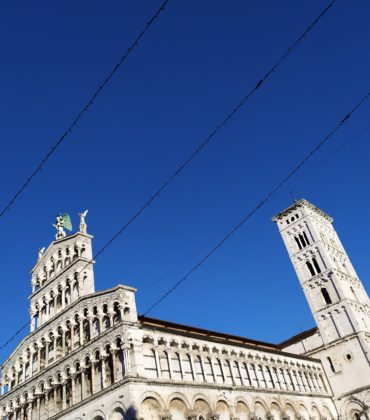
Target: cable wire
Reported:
point(84, 110)
point(236, 227)
point(180, 168)
point(208, 139)
point(259, 206)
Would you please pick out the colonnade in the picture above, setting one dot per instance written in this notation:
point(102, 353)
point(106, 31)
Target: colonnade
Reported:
point(192, 363)
point(85, 378)
point(64, 338)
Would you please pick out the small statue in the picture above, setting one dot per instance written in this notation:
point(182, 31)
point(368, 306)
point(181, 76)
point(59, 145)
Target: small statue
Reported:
point(62, 221)
point(40, 252)
point(83, 225)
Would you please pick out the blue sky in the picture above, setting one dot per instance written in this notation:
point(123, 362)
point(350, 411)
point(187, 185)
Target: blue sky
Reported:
point(194, 65)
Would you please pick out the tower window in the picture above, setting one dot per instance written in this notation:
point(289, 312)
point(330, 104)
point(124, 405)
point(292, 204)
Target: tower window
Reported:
point(305, 236)
point(317, 267)
point(298, 243)
point(326, 296)
point(303, 242)
point(310, 268)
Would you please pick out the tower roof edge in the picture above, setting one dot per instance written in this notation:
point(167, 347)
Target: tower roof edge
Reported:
point(299, 204)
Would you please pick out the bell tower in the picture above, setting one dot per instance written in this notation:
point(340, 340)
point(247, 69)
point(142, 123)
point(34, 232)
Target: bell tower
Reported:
point(334, 292)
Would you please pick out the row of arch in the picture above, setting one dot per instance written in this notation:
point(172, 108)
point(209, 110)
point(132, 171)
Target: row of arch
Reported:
point(87, 375)
point(71, 333)
point(56, 263)
point(58, 298)
point(178, 407)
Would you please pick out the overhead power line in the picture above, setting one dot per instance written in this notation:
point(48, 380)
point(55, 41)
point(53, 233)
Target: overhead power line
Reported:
point(258, 206)
point(84, 110)
point(237, 226)
point(202, 145)
point(222, 124)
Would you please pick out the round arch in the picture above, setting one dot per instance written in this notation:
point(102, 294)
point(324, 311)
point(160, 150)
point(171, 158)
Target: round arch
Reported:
point(241, 410)
point(223, 410)
point(150, 408)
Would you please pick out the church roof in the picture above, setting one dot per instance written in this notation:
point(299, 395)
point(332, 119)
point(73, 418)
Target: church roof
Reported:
point(297, 338)
point(200, 333)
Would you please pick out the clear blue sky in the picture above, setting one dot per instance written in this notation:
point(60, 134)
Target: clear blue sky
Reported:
point(196, 63)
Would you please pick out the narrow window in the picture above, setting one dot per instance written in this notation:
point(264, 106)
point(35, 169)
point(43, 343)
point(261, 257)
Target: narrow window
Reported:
point(298, 243)
point(326, 296)
point(305, 236)
point(303, 242)
point(310, 268)
point(316, 265)
point(331, 365)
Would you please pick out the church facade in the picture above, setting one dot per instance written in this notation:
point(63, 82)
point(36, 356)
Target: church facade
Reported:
point(90, 356)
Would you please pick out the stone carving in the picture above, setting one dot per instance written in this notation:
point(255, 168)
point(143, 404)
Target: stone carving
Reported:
point(59, 226)
point(83, 225)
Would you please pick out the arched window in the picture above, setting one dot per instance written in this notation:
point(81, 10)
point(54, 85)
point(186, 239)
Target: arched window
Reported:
point(310, 268)
point(303, 242)
point(298, 243)
point(326, 296)
point(317, 267)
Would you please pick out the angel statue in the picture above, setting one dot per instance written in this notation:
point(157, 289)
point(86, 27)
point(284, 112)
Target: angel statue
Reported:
point(62, 222)
point(83, 225)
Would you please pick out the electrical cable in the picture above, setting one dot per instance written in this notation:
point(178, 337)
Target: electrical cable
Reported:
point(83, 111)
point(223, 123)
point(259, 205)
point(180, 168)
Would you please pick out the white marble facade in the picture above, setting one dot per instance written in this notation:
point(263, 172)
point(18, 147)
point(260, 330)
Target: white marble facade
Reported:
point(90, 356)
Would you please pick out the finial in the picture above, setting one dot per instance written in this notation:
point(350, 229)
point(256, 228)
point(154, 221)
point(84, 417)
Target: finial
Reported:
point(83, 225)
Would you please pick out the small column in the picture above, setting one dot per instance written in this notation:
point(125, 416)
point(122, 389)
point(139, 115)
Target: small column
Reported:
point(74, 377)
point(29, 409)
point(24, 371)
point(168, 352)
point(47, 404)
point(22, 412)
point(239, 371)
point(126, 359)
point(93, 376)
point(84, 393)
point(159, 371)
point(55, 399)
point(63, 297)
point(64, 388)
point(232, 372)
point(64, 341)
point(116, 377)
point(38, 407)
point(55, 302)
point(104, 369)
point(47, 352)
point(180, 354)
point(31, 363)
point(81, 332)
point(194, 373)
point(202, 367)
point(38, 358)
